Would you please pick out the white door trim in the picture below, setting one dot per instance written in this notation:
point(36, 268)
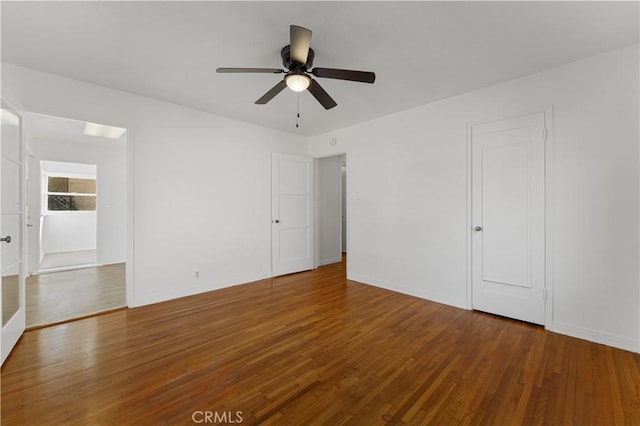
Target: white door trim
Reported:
point(130, 219)
point(548, 210)
point(316, 209)
point(548, 216)
point(130, 197)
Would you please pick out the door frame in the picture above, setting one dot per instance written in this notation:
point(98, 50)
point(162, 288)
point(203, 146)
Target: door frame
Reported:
point(548, 208)
point(129, 196)
point(316, 207)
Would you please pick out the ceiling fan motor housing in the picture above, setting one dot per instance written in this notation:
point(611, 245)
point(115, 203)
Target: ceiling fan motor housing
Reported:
point(294, 66)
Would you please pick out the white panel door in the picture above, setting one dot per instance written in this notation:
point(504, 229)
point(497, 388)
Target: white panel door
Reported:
point(508, 217)
point(12, 296)
point(292, 213)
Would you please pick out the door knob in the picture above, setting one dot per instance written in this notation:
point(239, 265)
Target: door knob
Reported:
point(6, 239)
point(276, 221)
point(478, 228)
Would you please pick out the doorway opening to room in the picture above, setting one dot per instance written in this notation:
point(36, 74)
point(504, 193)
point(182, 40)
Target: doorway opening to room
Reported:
point(331, 210)
point(68, 230)
point(76, 219)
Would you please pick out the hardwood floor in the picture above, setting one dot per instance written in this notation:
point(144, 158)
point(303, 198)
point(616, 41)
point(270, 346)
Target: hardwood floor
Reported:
point(314, 348)
point(61, 296)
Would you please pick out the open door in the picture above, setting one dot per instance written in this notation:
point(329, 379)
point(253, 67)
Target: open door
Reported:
point(292, 213)
point(11, 229)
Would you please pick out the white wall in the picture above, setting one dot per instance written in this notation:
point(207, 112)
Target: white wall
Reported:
point(407, 193)
point(329, 210)
point(201, 183)
point(69, 231)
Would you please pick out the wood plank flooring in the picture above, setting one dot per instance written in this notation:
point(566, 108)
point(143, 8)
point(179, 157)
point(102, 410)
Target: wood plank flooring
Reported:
point(60, 296)
point(314, 348)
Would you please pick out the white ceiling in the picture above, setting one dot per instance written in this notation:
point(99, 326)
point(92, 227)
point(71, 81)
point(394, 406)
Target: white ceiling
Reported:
point(420, 51)
point(46, 127)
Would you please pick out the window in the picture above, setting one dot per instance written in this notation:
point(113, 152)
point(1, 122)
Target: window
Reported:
point(71, 194)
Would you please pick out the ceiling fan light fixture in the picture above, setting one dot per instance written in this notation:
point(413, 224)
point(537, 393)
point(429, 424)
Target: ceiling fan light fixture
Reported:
point(297, 82)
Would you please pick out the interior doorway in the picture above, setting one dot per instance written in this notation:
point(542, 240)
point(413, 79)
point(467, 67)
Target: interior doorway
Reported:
point(331, 209)
point(69, 216)
point(76, 219)
point(343, 174)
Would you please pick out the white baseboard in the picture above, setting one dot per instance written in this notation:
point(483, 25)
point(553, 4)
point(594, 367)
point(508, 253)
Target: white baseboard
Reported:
point(557, 327)
point(411, 291)
point(595, 336)
point(112, 263)
point(65, 268)
point(202, 287)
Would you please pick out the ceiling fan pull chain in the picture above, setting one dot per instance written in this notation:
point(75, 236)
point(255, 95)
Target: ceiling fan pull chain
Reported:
point(298, 115)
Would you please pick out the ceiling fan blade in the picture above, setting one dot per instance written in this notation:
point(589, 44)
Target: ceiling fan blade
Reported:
point(321, 95)
point(361, 76)
point(300, 39)
point(272, 93)
point(250, 70)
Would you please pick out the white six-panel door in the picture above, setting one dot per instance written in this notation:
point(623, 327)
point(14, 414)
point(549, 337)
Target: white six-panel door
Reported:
point(292, 213)
point(508, 212)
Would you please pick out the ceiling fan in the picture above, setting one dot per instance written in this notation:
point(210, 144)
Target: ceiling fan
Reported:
point(297, 58)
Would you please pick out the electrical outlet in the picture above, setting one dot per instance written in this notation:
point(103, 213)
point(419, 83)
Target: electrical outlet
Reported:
point(197, 275)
